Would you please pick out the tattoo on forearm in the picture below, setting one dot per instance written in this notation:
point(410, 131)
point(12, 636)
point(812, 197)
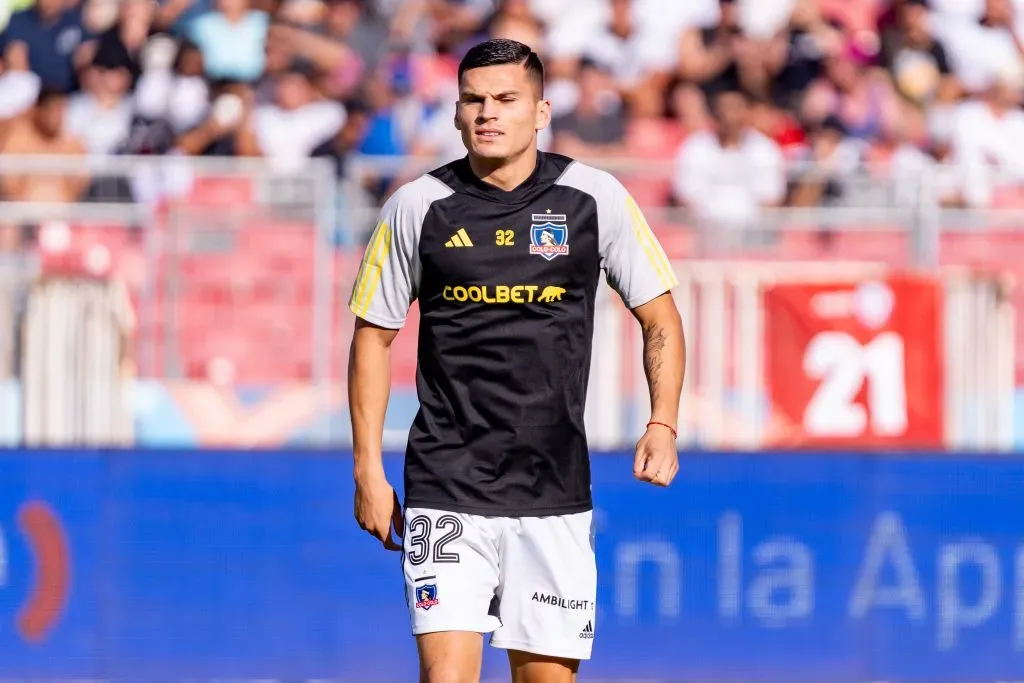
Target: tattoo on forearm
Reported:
point(654, 344)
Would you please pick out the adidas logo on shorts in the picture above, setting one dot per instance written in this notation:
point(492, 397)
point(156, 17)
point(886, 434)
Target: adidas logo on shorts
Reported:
point(588, 630)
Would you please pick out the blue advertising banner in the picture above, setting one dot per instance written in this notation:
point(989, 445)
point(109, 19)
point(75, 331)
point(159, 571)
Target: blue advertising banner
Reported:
point(171, 565)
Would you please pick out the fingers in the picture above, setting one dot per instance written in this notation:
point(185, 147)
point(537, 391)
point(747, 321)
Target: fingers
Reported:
point(657, 468)
point(640, 462)
point(391, 544)
point(664, 473)
point(397, 519)
point(383, 534)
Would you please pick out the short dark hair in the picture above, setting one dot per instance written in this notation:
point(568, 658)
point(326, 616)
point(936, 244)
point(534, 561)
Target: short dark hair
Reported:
point(498, 51)
point(48, 95)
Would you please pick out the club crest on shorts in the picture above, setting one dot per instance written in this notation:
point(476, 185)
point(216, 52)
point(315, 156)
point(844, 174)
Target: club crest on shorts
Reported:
point(549, 236)
point(426, 596)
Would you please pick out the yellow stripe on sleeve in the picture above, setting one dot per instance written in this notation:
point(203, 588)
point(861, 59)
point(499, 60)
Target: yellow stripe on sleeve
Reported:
point(650, 246)
point(371, 261)
point(360, 280)
point(373, 279)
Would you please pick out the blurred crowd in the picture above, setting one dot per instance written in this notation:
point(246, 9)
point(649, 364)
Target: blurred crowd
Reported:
point(732, 94)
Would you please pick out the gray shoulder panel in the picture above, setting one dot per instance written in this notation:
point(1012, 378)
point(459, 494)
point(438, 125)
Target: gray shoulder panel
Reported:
point(389, 275)
point(588, 179)
point(631, 255)
point(415, 197)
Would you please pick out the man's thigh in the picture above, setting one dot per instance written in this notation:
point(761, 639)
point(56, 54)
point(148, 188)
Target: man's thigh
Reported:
point(548, 587)
point(450, 564)
point(450, 656)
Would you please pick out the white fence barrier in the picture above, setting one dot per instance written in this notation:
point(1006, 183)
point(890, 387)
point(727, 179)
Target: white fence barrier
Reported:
point(724, 395)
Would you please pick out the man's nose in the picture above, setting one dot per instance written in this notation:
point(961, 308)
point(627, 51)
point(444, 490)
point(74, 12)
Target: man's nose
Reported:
point(488, 110)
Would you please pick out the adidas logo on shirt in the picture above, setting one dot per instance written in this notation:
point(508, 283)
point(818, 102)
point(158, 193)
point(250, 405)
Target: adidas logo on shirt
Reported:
point(588, 630)
point(459, 239)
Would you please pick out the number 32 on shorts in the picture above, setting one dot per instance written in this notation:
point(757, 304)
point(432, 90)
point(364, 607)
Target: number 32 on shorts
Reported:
point(428, 540)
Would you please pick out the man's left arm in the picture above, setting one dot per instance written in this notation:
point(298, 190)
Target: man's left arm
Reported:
point(638, 269)
point(664, 351)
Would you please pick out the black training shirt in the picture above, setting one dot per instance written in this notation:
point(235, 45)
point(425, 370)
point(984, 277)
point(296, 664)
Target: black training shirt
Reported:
point(506, 283)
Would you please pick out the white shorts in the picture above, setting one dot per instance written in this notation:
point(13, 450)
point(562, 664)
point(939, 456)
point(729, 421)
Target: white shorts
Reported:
point(529, 581)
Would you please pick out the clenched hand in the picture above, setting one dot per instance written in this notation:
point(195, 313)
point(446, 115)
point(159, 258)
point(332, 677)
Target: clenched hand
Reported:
point(377, 509)
point(656, 460)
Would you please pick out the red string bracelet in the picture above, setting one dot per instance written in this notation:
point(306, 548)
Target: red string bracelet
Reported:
point(668, 427)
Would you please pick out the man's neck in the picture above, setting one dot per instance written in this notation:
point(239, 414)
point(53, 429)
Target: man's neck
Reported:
point(107, 100)
point(730, 140)
point(506, 174)
point(996, 108)
point(51, 17)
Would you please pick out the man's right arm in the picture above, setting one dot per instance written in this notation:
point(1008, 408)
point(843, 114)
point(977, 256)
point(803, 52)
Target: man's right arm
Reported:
point(383, 291)
point(369, 388)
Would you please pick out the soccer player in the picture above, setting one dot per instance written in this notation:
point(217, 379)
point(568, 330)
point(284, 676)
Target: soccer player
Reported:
point(504, 250)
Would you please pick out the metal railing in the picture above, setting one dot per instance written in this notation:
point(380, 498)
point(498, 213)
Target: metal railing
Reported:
point(184, 220)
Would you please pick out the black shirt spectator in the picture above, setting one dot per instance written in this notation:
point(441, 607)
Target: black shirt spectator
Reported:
point(45, 39)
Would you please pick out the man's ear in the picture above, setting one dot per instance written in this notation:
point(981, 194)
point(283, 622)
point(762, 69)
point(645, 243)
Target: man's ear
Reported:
point(458, 124)
point(543, 114)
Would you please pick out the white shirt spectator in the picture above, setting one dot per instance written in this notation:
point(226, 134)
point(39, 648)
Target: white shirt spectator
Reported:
point(657, 25)
point(978, 53)
point(103, 130)
point(18, 92)
point(183, 101)
point(288, 137)
point(570, 32)
point(987, 149)
point(729, 185)
point(958, 9)
point(918, 178)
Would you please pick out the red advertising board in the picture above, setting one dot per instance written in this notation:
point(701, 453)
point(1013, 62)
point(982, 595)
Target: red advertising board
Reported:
point(856, 364)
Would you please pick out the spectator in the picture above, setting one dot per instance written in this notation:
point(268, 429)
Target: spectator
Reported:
point(172, 96)
point(49, 39)
point(217, 129)
point(233, 40)
point(708, 56)
point(640, 60)
point(348, 138)
point(18, 92)
point(827, 166)
point(349, 45)
point(796, 57)
point(863, 99)
point(123, 44)
point(287, 131)
point(988, 140)
point(924, 172)
point(597, 124)
point(101, 115)
point(980, 47)
point(43, 132)
point(727, 176)
point(918, 62)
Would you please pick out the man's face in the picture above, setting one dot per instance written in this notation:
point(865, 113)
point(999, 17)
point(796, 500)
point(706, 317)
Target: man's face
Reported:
point(49, 117)
point(915, 22)
point(999, 12)
point(731, 111)
point(50, 7)
point(113, 81)
point(499, 112)
point(293, 91)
